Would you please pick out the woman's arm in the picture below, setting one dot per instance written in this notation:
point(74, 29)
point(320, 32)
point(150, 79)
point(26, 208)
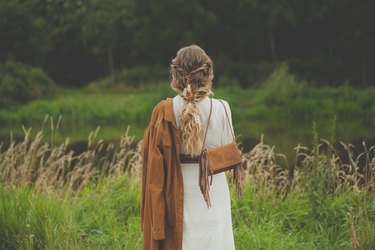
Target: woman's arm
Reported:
point(227, 132)
point(144, 155)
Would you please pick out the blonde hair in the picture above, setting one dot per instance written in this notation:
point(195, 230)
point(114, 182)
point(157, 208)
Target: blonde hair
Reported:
point(192, 75)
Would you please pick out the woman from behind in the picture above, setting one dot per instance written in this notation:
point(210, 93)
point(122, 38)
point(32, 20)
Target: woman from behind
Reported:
point(174, 213)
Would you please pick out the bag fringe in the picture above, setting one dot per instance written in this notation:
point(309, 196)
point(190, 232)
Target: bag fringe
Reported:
point(237, 178)
point(204, 172)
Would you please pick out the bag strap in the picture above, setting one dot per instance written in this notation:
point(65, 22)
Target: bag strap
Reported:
point(226, 113)
point(208, 123)
point(209, 118)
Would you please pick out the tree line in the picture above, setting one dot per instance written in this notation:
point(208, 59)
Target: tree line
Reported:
point(328, 42)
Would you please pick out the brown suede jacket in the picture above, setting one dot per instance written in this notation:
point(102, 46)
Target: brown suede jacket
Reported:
point(162, 182)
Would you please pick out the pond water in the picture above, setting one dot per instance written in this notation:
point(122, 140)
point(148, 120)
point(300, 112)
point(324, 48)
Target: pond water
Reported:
point(287, 135)
point(284, 135)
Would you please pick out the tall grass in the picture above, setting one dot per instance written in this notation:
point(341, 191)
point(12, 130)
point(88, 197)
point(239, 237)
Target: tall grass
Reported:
point(46, 165)
point(103, 215)
point(54, 198)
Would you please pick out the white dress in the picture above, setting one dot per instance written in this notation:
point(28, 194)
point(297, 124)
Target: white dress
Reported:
point(207, 228)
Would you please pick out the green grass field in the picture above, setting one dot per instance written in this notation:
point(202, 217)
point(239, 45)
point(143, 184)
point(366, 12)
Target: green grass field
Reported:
point(105, 215)
point(52, 198)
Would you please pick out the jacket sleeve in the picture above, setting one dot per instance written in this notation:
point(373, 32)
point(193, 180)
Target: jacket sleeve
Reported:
point(144, 156)
point(153, 183)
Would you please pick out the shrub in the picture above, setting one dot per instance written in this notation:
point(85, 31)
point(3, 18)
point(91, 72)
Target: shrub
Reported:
point(20, 83)
point(301, 109)
point(227, 83)
point(143, 74)
point(130, 78)
point(246, 73)
point(281, 86)
point(322, 70)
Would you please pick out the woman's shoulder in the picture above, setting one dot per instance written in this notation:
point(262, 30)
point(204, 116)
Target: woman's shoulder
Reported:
point(221, 103)
point(159, 106)
point(157, 111)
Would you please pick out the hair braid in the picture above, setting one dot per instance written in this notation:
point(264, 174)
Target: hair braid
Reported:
point(192, 75)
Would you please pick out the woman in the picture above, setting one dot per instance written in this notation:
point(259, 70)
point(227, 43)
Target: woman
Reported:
point(174, 214)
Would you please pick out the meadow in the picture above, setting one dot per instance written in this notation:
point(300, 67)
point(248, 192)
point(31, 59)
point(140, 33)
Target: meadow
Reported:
point(54, 198)
point(79, 80)
point(70, 166)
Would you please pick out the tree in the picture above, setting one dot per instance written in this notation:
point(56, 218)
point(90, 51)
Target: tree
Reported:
point(105, 25)
point(271, 13)
point(24, 35)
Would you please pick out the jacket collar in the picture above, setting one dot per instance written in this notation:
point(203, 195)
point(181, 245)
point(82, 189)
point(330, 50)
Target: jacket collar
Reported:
point(168, 111)
point(169, 116)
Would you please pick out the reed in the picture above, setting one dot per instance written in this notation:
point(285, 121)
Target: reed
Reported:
point(50, 166)
point(320, 167)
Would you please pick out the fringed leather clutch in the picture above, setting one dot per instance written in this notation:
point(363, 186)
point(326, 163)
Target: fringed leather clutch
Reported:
point(217, 160)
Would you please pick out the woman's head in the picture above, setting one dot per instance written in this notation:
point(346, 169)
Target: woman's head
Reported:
point(192, 62)
point(192, 75)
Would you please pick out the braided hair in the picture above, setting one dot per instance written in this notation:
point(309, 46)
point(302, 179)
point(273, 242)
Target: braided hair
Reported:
point(192, 75)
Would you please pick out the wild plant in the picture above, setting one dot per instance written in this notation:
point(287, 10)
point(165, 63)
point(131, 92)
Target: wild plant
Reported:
point(49, 165)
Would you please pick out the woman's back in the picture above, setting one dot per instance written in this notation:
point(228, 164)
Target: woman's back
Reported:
point(219, 132)
point(207, 228)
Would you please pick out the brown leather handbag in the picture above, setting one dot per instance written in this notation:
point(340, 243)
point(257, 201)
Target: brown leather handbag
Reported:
point(217, 160)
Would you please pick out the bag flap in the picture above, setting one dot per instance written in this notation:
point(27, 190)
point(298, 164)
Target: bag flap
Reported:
point(223, 156)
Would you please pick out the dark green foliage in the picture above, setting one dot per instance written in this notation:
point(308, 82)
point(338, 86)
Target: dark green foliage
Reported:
point(24, 32)
point(280, 98)
point(20, 83)
point(281, 87)
point(328, 42)
point(142, 75)
point(246, 73)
